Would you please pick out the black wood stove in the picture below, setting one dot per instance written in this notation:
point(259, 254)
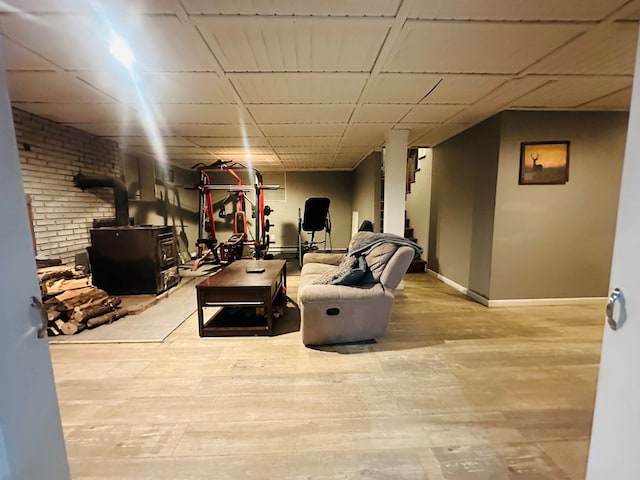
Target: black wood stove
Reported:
point(133, 260)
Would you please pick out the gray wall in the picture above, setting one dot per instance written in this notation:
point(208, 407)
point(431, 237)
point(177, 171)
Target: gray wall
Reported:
point(462, 204)
point(295, 188)
point(556, 240)
point(157, 199)
point(509, 241)
point(367, 189)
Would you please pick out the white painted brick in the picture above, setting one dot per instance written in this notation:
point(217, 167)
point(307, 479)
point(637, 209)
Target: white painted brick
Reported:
point(63, 213)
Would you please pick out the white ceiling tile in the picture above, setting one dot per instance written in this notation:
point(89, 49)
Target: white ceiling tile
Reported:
point(459, 47)
point(317, 160)
point(276, 44)
point(166, 87)
point(303, 130)
point(229, 141)
point(572, 92)
point(549, 10)
point(51, 87)
point(213, 130)
point(416, 130)
point(119, 129)
point(306, 113)
point(372, 8)
point(620, 100)
point(144, 141)
point(304, 141)
point(79, 112)
point(609, 50)
point(366, 134)
point(464, 89)
point(81, 42)
point(17, 57)
point(76, 6)
point(299, 87)
point(380, 113)
point(400, 87)
point(200, 113)
point(304, 150)
point(431, 113)
point(235, 151)
point(631, 11)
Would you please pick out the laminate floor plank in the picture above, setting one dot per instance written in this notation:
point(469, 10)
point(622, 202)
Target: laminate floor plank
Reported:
point(455, 391)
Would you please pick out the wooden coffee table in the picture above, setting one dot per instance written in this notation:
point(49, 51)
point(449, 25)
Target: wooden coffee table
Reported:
point(247, 299)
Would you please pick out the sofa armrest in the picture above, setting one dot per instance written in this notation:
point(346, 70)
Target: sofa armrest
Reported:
point(326, 258)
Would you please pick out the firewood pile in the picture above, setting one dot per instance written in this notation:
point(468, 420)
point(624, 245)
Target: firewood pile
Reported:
point(73, 303)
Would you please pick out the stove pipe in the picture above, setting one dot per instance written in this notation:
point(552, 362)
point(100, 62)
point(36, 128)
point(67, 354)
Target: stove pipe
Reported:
point(120, 197)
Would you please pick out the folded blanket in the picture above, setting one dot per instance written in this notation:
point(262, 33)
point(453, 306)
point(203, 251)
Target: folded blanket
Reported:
point(363, 242)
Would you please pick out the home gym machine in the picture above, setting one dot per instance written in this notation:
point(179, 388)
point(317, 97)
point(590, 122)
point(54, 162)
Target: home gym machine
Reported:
point(210, 249)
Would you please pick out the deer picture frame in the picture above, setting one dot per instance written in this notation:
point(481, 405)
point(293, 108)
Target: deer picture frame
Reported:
point(544, 163)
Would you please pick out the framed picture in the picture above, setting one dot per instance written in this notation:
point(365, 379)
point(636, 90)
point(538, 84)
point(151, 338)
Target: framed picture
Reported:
point(544, 163)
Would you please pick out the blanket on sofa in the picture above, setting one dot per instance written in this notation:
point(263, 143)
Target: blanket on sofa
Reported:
point(363, 242)
point(363, 264)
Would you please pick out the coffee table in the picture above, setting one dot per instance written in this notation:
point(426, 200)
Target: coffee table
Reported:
point(241, 294)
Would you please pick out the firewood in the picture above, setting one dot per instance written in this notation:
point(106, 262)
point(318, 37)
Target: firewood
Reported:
point(71, 327)
point(58, 324)
point(53, 314)
point(52, 332)
point(86, 295)
point(73, 293)
point(56, 287)
point(95, 309)
point(106, 318)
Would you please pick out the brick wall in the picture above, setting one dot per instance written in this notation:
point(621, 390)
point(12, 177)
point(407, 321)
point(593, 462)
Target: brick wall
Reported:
point(50, 155)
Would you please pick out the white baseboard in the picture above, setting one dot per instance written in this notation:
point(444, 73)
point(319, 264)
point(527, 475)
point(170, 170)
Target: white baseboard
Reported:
point(517, 302)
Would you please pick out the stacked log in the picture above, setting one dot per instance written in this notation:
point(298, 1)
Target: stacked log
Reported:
point(73, 303)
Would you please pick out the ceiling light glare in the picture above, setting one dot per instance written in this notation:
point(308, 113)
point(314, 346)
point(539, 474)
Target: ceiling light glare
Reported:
point(121, 51)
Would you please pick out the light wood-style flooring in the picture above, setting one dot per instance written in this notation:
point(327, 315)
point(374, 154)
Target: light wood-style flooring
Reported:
point(455, 391)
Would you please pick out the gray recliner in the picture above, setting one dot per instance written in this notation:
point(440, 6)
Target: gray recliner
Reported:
point(350, 313)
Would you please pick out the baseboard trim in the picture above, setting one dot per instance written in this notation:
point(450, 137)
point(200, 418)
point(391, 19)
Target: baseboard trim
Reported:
point(517, 302)
point(539, 302)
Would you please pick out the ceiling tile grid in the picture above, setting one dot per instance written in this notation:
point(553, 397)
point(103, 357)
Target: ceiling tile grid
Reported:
point(310, 85)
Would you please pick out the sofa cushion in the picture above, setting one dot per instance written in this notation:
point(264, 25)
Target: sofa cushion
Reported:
point(349, 272)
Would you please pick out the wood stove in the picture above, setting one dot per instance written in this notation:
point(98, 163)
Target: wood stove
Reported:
point(129, 260)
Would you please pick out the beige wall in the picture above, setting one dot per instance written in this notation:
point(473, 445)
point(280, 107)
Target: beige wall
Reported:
point(419, 201)
point(508, 241)
point(556, 240)
point(337, 186)
point(366, 189)
point(462, 203)
point(295, 188)
point(157, 199)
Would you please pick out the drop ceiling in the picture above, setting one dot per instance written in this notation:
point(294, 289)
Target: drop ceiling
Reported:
point(298, 84)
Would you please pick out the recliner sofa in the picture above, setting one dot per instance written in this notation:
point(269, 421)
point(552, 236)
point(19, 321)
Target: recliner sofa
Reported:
point(334, 312)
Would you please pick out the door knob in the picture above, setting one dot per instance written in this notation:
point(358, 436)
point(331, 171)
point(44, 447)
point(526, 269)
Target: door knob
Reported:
point(616, 295)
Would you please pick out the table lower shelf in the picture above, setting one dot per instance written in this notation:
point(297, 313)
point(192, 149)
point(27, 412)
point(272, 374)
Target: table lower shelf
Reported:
point(232, 321)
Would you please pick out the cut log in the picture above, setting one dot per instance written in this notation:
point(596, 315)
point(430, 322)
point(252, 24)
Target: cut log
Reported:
point(52, 332)
point(53, 314)
point(91, 294)
point(56, 287)
point(106, 318)
point(71, 327)
point(72, 293)
point(81, 314)
point(58, 324)
point(63, 271)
